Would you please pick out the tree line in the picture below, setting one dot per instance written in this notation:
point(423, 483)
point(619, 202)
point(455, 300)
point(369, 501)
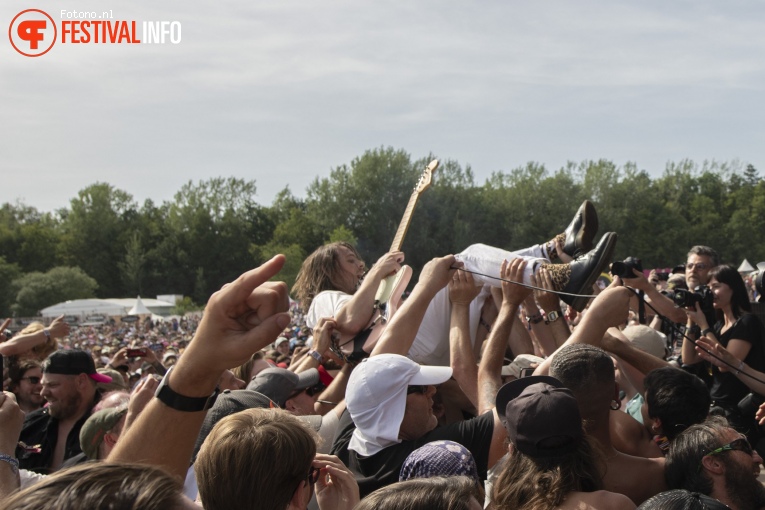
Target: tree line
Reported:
point(106, 244)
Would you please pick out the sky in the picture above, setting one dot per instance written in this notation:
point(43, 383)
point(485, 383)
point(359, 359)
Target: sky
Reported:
point(282, 92)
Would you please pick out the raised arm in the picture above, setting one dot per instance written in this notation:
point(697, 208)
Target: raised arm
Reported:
point(609, 309)
point(355, 314)
point(11, 419)
point(20, 344)
point(462, 291)
point(490, 368)
point(241, 318)
point(400, 332)
point(662, 303)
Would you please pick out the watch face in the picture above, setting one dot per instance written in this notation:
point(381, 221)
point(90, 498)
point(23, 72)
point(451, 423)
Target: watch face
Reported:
point(552, 316)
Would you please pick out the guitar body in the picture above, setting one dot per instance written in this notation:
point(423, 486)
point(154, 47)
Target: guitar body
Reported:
point(352, 348)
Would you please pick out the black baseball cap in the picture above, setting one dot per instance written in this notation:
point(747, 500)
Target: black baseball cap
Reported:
point(73, 362)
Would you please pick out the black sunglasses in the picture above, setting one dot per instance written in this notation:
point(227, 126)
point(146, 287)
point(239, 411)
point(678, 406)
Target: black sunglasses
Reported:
point(313, 475)
point(32, 379)
point(416, 388)
point(741, 444)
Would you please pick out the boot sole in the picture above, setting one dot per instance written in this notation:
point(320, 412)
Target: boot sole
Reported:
point(589, 228)
point(579, 303)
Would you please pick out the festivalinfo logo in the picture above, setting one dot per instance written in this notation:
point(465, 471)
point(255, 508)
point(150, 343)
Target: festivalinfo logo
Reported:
point(33, 32)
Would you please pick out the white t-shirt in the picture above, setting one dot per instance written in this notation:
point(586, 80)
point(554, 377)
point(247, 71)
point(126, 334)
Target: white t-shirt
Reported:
point(326, 304)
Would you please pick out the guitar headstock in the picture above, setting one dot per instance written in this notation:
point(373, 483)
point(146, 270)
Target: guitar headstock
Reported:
point(426, 177)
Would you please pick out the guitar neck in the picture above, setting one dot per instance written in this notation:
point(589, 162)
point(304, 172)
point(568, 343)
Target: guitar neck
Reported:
point(398, 240)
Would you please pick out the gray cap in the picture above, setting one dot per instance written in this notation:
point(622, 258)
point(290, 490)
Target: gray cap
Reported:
point(228, 403)
point(279, 383)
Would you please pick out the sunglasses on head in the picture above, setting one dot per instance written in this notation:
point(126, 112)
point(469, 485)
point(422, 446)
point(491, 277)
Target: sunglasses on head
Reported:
point(741, 444)
point(32, 379)
point(416, 388)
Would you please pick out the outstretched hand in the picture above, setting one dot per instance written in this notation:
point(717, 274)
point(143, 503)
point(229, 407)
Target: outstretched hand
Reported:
point(240, 319)
point(322, 334)
point(707, 347)
point(462, 288)
point(548, 300)
point(437, 273)
point(58, 328)
point(336, 488)
point(512, 274)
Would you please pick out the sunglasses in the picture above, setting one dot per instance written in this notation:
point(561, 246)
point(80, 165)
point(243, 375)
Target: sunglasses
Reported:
point(313, 475)
point(417, 388)
point(32, 379)
point(700, 266)
point(740, 444)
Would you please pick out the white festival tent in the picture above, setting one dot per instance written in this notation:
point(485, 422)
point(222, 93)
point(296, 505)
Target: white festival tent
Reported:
point(84, 308)
point(139, 308)
point(745, 267)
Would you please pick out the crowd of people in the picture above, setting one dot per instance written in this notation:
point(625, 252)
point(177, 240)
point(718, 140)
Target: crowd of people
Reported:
point(505, 380)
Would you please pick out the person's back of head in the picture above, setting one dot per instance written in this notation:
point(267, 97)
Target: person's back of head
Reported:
point(101, 486)
point(676, 399)
point(681, 500)
point(256, 459)
point(442, 493)
point(588, 372)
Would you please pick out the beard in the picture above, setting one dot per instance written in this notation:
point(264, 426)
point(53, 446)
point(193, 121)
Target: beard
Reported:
point(742, 486)
point(66, 407)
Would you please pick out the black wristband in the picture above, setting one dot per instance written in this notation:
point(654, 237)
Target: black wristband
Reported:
point(181, 402)
point(705, 332)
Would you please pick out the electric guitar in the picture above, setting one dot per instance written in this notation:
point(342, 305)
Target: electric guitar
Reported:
point(353, 348)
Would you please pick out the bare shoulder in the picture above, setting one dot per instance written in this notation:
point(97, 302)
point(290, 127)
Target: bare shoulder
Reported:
point(598, 500)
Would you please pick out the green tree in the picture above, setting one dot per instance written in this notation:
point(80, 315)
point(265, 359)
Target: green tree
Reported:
point(8, 274)
point(95, 233)
point(132, 267)
point(40, 290)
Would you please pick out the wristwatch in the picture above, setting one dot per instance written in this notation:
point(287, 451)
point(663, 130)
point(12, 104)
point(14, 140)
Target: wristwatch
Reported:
point(315, 355)
point(179, 402)
point(552, 317)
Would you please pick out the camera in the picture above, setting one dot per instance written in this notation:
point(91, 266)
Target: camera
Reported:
point(688, 299)
point(757, 279)
point(624, 269)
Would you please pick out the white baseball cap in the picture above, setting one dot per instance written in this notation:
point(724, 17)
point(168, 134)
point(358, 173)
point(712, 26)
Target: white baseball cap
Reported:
point(376, 398)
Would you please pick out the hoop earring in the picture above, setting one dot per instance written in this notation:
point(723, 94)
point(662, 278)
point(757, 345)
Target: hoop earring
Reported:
point(615, 406)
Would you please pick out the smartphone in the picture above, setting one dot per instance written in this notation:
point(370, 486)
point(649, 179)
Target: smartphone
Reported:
point(525, 372)
point(136, 353)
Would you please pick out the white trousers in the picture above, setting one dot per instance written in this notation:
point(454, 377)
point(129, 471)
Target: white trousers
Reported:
point(431, 345)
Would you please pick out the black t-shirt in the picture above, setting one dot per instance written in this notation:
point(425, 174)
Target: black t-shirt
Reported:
point(727, 389)
point(382, 468)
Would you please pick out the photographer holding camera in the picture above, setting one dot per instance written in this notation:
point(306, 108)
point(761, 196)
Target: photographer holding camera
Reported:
point(701, 259)
point(741, 333)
